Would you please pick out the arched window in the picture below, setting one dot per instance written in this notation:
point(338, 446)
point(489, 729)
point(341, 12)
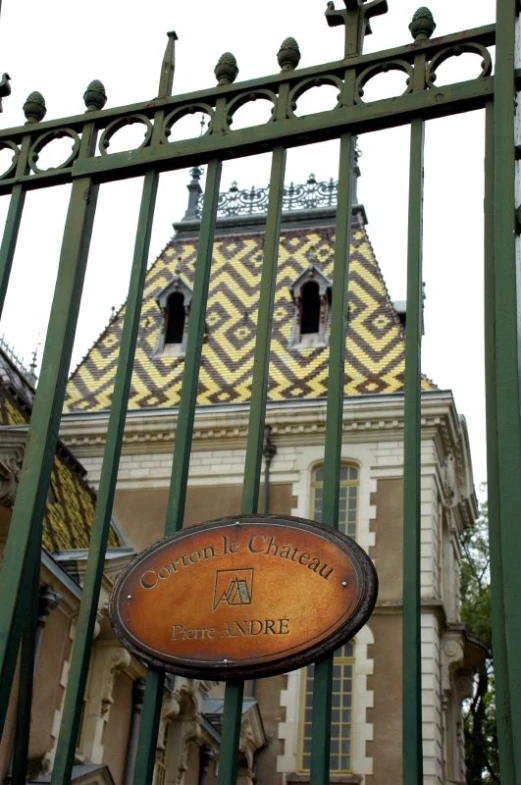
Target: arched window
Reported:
point(349, 497)
point(341, 712)
point(310, 309)
point(311, 293)
point(175, 318)
point(174, 301)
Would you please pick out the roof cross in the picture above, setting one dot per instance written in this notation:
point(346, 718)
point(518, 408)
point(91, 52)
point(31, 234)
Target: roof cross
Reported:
point(356, 20)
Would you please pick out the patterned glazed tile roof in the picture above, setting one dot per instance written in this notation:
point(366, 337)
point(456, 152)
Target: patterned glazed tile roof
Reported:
point(374, 345)
point(71, 502)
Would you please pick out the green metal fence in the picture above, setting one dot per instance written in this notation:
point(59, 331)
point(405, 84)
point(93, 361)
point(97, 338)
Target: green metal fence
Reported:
point(87, 168)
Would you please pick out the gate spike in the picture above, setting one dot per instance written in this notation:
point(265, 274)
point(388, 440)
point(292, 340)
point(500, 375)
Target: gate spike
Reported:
point(166, 80)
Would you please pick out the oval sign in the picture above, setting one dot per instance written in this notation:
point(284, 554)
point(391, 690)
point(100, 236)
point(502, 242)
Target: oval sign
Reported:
point(243, 597)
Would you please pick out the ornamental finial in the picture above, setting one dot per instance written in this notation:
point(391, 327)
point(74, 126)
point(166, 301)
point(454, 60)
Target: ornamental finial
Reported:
point(288, 55)
point(95, 96)
point(34, 107)
point(226, 69)
point(422, 25)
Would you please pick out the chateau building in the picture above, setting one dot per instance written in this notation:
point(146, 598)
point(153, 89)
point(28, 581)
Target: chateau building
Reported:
point(276, 724)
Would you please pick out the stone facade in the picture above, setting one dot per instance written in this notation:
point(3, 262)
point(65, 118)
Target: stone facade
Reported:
point(373, 430)
point(273, 737)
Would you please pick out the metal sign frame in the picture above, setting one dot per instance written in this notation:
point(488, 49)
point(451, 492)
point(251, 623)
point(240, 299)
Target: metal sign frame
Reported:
point(86, 170)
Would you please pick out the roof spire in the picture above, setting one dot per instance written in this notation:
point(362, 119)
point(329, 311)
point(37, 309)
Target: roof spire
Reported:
point(31, 375)
point(356, 172)
point(194, 192)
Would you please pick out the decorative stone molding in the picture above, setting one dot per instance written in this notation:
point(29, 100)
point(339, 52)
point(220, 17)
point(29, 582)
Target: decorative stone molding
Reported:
point(108, 660)
point(181, 712)
point(292, 421)
point(452, 656)
point(48, 761)
point(9, 476)
point(116, 659)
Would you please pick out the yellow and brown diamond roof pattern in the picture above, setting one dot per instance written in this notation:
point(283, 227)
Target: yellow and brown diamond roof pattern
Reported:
point(374, 344)
point(69, 512)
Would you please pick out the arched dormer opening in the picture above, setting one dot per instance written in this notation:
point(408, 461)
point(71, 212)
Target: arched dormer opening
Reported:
point(175, 318)
point(174, 302)
point(311, 293)
point(310, 309)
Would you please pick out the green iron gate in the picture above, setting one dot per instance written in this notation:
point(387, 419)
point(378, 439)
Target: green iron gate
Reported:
point(86, 170)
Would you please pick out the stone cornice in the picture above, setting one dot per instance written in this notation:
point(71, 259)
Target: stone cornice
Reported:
point(293, 422)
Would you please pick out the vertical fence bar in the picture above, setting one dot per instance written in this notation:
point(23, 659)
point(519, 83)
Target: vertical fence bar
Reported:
point(25, 689)
point(10, 237)
point(229, 748)
point(506, 357)
point(12, 223)
point(228, 759)
point(194, 346)
point(261, 362)
point(26, 522)
point(411, 634)
point(411, 658)
point(183, 442)
point(504, 726)
point(323, 676)
point(94, 573)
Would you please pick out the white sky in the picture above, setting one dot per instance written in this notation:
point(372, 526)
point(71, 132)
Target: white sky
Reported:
point(59, 46)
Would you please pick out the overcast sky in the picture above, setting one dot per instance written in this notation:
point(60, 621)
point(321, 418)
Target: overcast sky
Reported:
point(59, 46)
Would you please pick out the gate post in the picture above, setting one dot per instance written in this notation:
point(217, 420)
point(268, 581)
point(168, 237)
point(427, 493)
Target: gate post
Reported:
point(504, 425)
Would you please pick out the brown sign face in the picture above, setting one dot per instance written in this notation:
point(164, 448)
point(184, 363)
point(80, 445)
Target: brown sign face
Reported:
point(244, 597)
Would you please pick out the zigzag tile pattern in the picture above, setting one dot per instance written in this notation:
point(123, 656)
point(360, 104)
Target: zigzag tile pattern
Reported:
point(374, 345)
point(70, 508)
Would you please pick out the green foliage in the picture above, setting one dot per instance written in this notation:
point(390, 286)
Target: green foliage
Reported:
point(479, 722)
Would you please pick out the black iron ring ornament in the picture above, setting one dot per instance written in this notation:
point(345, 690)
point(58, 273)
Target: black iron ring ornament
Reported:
point(117, 125)
point(8, 145)
point(247, 98)
point(45, 139)
point(183, 111)
point(456, 51)
point(367, 74)
point(309, 84)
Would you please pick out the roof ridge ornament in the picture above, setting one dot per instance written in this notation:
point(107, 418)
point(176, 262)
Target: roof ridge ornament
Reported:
point(311, 195)
point(357, 21)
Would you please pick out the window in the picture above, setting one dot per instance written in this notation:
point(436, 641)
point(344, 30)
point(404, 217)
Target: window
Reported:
point(310, 313)
point(174, 301)
point(311, 293)
point(344, 658)
point(341, 712)
point(175, 318)
point(348, 503)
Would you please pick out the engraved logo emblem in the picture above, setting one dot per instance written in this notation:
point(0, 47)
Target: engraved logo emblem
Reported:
point(233, 587)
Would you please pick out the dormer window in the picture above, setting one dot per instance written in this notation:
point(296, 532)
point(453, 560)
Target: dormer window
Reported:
point(311, 293)
point(175, 318)
point(174, 301)
point(310, 309)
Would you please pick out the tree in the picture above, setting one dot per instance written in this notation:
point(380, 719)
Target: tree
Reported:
point(479, 720)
